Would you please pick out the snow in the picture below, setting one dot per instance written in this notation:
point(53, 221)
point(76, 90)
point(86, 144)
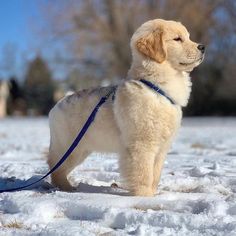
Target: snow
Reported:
point(196, 195)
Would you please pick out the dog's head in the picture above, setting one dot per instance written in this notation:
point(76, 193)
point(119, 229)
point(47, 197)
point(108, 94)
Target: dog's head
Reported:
point(161, 40)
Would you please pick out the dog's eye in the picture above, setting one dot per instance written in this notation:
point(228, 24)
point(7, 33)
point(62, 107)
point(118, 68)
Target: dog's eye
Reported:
point(178, 39)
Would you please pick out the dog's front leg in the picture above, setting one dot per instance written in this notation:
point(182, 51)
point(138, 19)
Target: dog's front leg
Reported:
point(159, 162)
point(158, 165)
point(136, 165)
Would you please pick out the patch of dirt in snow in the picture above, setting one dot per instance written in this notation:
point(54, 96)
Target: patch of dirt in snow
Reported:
point(196, 195)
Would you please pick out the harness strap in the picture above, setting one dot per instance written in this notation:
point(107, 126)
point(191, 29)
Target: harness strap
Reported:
point(156, 89)
point(73, 145)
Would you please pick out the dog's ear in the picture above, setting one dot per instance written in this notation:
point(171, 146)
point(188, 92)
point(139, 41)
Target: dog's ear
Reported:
point(152, 46)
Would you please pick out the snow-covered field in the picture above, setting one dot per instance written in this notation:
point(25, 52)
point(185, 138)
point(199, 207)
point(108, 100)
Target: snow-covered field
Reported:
point(196, 195)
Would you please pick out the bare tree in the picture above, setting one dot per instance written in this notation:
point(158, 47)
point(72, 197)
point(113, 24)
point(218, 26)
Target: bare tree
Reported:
point(94, 35)
point(99, 31)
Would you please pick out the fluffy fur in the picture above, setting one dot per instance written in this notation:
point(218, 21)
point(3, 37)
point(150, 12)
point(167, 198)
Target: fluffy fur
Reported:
point(140, 124)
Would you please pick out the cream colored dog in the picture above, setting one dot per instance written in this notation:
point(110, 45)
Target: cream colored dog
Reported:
point(140, 124)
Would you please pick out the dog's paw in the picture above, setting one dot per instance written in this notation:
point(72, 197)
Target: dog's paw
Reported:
point(143, 191)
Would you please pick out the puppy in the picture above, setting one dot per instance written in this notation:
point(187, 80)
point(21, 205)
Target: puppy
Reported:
point(139, 124)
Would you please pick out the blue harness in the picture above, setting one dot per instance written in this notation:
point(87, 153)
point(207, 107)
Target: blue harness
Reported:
point(156, 89)
point(84, 130)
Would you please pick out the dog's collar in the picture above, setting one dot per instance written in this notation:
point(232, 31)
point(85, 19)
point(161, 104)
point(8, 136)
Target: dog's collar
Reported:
point(156, 89)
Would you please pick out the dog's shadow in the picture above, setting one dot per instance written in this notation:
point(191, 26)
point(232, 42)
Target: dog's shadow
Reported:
point(13, 182)
point(45, 187)
point(87, 188)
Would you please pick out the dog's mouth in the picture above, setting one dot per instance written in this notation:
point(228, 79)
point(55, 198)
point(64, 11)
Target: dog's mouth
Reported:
point(186, 64)
point(191, 63)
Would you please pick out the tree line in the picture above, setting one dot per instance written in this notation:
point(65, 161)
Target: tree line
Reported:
point(35, 96)
point(89, 42)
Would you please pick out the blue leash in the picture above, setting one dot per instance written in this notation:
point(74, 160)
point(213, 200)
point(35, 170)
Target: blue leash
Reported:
point(84, 130)
point(73, 145)
point(157, 89)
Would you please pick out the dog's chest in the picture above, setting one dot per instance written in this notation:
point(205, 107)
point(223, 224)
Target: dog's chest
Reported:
point(144, 113)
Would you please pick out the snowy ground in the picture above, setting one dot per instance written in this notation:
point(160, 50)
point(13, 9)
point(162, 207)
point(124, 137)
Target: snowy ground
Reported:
point(196, 196)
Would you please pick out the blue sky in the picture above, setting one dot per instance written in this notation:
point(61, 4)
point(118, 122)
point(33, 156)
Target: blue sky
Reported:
point(15, 16)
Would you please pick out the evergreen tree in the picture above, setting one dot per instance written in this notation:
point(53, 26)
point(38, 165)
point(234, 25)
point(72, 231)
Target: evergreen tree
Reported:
point(39, 87)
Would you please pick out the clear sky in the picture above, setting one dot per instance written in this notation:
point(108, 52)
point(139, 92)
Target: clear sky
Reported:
point(15, 16)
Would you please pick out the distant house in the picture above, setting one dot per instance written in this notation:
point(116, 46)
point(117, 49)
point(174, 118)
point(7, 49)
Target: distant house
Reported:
point(4, 92)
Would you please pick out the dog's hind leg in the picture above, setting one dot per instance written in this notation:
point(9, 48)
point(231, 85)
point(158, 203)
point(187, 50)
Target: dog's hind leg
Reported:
point(59, 177)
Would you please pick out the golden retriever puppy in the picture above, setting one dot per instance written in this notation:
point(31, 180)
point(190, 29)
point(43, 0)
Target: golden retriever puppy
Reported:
point(139, 124)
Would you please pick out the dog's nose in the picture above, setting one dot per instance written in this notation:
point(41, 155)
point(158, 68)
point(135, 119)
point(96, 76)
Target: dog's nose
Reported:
point(201, 47)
